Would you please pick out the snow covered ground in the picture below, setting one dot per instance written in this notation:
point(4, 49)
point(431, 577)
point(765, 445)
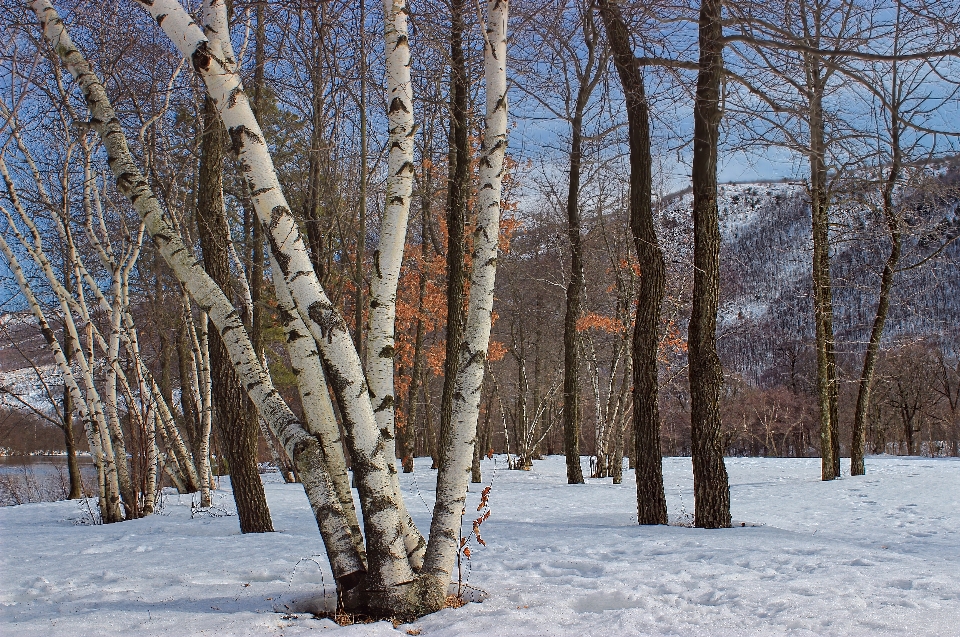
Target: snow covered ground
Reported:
point(872, 555)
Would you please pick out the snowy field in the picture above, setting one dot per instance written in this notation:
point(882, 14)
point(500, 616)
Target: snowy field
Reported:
point(873, 555)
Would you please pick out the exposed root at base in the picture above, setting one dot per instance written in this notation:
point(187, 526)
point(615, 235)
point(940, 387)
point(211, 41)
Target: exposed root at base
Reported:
point(343, 618)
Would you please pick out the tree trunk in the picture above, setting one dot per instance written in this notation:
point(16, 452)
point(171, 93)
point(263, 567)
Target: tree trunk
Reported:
point(883, 304)
point(651, 501)
point(73, 467)
point(827, 386)
point(710, 484)
point(408, 434)
point(237, 428)
point(458, 175)
point(459, 440)
point(571, 381)
point(388, 257)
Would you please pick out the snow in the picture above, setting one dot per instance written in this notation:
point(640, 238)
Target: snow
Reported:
point(872, 555)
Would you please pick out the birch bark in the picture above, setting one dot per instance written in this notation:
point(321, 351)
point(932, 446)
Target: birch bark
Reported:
point(388, 257)
point(386, 548)
point(133, 185)
point(458, 442)
point(108, 486)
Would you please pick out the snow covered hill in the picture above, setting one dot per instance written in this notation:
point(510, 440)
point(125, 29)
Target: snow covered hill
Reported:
point(872, 555)
point(766, 255)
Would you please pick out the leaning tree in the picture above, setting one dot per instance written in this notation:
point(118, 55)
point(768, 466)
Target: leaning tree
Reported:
point(386, 567)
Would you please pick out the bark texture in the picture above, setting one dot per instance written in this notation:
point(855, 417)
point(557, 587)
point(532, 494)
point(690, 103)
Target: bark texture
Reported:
point(892, 220)
point(458, 442)
point(235, 417)
point(710, 484)
point(458, 175)
point(132, 184)
point(651, 501)
point(388, 257)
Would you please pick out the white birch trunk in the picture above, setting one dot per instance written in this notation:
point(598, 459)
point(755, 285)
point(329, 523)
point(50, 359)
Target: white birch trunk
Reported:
point(389, 565)
point(108, 487)
point(388, 257)
point(317, 406)
point(453, 480)
point(211, 299)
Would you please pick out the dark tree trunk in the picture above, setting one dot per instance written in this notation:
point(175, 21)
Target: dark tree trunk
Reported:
point(827, 385)
point(73, 467)
point(362, 225)
point(651, 501)
point(883, 304)
point(571, 360)
point(710, 484)
point(407, 433)
point(238, 431)
point(457, 187)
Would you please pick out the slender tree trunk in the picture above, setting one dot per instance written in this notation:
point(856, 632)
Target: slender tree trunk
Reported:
point(459, 440)
point(364, 170)
point(236, 422)
point(407, 435)
point(73, 467)
point(458, 176)
point(710, 483)
point(571, 380)
point(827, 386)
point(651, 501)
point(388, 257)
point(892, 220)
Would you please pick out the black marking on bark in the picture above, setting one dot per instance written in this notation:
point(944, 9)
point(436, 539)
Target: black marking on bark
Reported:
point(397, 105)
point(282, 260)
point(234, 95)
point(387, 351)
point(251, 385)
point(385, 404)
point(48, 335)
point(260, 191)
point(276, 214)
point(160, 18)
point(376, 264)
point(401, 39)
point(294, 336)
point(325, 316)
point(397, 145)
point(286, 317)
point(300, 274)
point(161, 238)
point(202, 57)
point(407, 165)
point(238, 136)
point(397, 199)
point(374, 304)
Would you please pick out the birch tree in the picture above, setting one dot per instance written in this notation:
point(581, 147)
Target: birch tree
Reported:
point(391, 581)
